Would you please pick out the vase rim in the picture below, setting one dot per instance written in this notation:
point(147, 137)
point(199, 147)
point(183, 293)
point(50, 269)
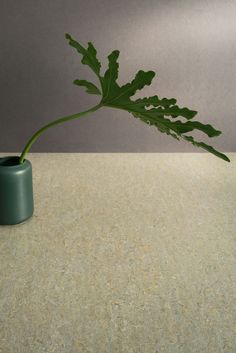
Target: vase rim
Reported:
point(11, 162)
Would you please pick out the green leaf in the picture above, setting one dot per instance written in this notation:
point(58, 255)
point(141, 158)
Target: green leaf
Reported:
point(206, 147)
point(156, 117)
point(155, 101)
point(109, 81)
point(120, 96)
point(151, 110)
point(91, 88)
point(164, 106)
point(89, 54)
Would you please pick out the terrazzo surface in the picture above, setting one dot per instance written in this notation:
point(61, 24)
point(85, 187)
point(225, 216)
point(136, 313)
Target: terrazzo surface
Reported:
point(125, 253)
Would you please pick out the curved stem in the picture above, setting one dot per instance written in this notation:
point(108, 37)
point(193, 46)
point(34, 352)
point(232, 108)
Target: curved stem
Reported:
point(55, 122)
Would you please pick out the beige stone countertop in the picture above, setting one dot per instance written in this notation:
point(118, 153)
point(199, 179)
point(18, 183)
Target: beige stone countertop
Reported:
point(125, 253)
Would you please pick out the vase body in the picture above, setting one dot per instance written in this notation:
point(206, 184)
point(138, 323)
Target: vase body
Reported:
point(16, 190)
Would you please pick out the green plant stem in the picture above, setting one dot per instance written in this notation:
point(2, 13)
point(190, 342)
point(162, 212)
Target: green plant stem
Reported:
point(53, 123)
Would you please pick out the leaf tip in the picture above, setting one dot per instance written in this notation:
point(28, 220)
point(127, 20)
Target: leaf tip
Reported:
point(214, 131)
point(116, 53)
point(225, 158)
point(194, 112)
point(67, 36)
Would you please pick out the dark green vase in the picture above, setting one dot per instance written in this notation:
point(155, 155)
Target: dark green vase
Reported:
point(16, 190)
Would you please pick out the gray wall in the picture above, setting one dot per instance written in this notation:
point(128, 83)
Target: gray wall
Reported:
point(191, 45)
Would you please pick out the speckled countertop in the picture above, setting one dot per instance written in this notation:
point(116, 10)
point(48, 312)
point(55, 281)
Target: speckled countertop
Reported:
point(125, 253)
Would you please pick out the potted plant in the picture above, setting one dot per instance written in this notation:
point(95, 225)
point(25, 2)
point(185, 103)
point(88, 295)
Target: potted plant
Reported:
point(16, 191)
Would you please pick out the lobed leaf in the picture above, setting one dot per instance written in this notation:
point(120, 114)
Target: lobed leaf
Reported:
point(109, 80)
point(151, 110)
point(155, 101)
point(91, 88)
point(89, 54)
point(164, 107)
point(206, 147)
point(121, 95)
point(177, 135)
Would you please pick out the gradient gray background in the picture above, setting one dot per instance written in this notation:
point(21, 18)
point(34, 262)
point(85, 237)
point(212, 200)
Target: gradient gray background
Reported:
point(191, 45)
